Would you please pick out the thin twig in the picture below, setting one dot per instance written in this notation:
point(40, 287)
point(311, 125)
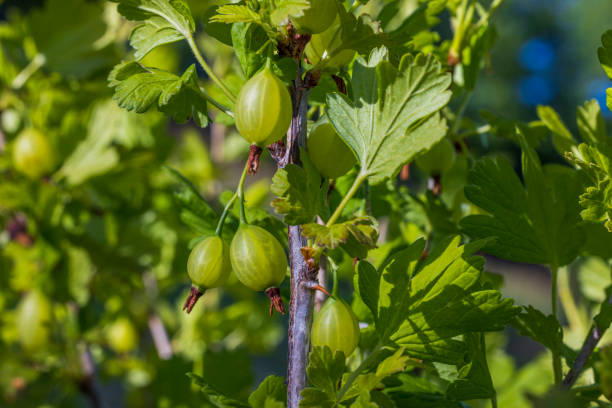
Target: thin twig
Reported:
point(88, 383)
point(156, 326)
point(595, 334)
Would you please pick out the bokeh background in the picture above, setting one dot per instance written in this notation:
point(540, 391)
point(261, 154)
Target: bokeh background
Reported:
point(545, 55)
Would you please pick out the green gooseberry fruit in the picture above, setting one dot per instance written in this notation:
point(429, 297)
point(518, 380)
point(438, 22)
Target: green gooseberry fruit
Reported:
point(121, 335)
point(33, 154)
point(208, 266)
point(328, 152)
point(33, 320)
point(263, 109)
point(336, 327)
point(259, 261)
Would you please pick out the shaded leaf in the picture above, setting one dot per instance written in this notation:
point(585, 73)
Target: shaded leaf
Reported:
point(299, 190)
point(325, 370)
point(605, 53)
point(214, 398)
point(473, 379)
point(194, 210)
point(591, 125)
point(538, 223)
point(368, 282)
point(562, 138)
point(546, 330)
point(273, 388)
point(97, 154)
point(67, 40)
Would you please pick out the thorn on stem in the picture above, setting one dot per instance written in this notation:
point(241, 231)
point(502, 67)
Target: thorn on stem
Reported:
point(192, 299)
point(314, 285)
point(276, 301)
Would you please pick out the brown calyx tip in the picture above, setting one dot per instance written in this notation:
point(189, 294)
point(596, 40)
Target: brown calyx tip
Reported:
point(253, 163)
point(276, 301)
point(340, 84)
point(192, 299)
point(453, 59)
point(436, 184)
point(405, 173)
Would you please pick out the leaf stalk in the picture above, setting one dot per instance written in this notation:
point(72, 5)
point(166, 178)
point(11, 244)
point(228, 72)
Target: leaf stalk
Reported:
point(356, 184)
point(208, 70)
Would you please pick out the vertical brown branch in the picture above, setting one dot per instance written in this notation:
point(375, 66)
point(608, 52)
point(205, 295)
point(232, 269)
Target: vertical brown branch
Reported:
point(302, 299)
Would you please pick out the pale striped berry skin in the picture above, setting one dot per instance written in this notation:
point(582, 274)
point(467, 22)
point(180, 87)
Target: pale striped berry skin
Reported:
point(258, 259)
point(336, 327)
point(33, 320)
point(263, 109)
point(209, 265)
point(328, 152)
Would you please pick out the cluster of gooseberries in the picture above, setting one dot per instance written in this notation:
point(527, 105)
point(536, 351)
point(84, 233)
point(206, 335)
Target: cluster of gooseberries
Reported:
point(263, 112)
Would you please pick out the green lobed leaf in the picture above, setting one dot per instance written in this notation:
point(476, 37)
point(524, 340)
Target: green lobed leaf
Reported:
point(546, 330)
point(81, 271)
point(233, 13)
point(175, 12)
point(247, 40)
point(325, 370)
point(473, 379)
point(424, 305)
point(474, 54)
point(69, 41)
point(288, 8)
point(595, 160)
point(392, 114)
point(364, 230)
point(154, 32)
point(194, 210)
point(603, 319)
point(535, 223)
point(299, 190)
point(272, 389)
point(358, 33)
point(368, 282)
point(605, 53)
point(97, 154)
point(420, 20)
point(562, 138)
point(213, 397)
point(365, 383)
point(138, 88)
point(591, 124)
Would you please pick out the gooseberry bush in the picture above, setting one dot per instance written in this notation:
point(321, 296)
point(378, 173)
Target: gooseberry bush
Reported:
point(124, 259)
